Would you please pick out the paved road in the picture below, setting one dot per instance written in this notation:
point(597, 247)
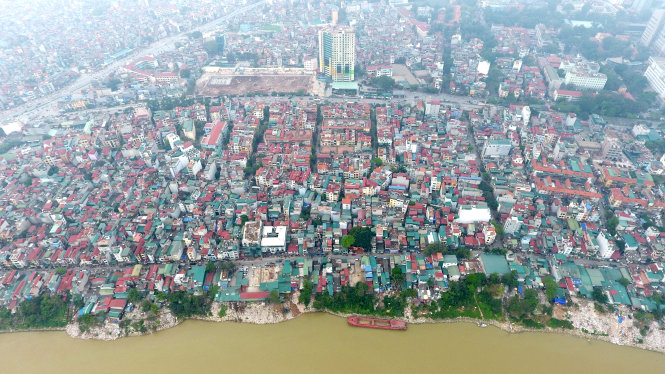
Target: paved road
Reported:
point(102, 270)
point(48, 104)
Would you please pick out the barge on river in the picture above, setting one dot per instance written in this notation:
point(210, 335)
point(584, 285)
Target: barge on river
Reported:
point(376, 323)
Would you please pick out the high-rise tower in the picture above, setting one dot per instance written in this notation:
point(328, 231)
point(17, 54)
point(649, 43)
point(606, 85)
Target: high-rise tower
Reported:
point(654, 34)
point(337, 53)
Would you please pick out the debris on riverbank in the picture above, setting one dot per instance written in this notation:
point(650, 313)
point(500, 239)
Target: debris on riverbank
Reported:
point(588, 322)
point(137, 323)
point(617, 327)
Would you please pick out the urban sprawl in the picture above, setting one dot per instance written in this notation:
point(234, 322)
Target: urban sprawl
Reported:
point(258, 151)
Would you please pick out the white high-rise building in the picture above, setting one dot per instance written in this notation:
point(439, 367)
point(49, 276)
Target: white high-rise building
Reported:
point(337, 53)
point(605, 247)
point(641, 5)
point(655, 74)
point(654, 34)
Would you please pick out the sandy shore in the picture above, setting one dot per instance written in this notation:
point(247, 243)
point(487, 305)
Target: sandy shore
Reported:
point(587, 321)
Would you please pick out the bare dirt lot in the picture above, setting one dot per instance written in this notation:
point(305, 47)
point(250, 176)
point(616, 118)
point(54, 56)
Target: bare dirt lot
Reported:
point(215, 85)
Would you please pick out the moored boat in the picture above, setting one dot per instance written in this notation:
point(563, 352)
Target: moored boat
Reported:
point(376, 323)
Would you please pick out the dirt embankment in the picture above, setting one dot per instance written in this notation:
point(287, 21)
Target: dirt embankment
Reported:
point(587, 322)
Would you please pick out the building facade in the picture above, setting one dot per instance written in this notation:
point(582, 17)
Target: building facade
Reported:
point(654, 34)
point(655, 74)
point(585, 80)
point(337, 53)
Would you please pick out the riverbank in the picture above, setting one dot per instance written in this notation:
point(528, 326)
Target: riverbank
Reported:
point(112, 331)
point(588, 322)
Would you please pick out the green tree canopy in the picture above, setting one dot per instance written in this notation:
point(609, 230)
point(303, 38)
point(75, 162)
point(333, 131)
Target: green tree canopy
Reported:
point(210, 267)
point(436, 247)
point(347, 241)
point(551, 288)
point(362, 237)
point(133, 296)
point(274, 297)
point(598, 295)
point(397, 277)
point(383, 83)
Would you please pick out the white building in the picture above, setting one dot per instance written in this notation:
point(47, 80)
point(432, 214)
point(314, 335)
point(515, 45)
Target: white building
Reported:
point(654, 33)
point(490, 234)
point(497, 148)
point(194, 167)
point(432, 107)
point(640, 130)
point(177, 164)
point(655, 74)
point(273, 239)
point(605, 248)
point(337, 53)
point(474, 214)
point(512, 225)
point(309, 63)
point(483, 68)
point(585, 77)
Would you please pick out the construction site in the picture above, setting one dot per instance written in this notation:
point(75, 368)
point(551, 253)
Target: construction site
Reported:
point(216, 81)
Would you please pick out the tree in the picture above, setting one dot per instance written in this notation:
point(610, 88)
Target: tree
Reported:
point(362, 237)
point(274, 297)
point(228, 266)
point(133, 296)
point(347, 241)
point(397, 277)
point(612, 225)
point(551, 288)
point(624, 282)
point(61, 271)
point(183, 304)
point(244, 219)
point(146, 305)
point(210, 267)
point(377, 161)
point(87, 321)
point(462, 253)
point(521, 308)
point(436, 247)
point(383, 83)
point(52, 170)
point(306, 293)
point(113, 84)
point(599, 295)
point(498, 228)
point(222, 311)
point(510, 280)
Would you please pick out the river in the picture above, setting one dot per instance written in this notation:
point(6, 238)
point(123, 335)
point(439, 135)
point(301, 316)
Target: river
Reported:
point(323, 344)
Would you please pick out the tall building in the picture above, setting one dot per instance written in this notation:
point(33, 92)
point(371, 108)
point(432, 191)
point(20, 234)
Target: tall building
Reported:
point(654, 34)
point(655, 74)
point(641, 5)
point(337, 53)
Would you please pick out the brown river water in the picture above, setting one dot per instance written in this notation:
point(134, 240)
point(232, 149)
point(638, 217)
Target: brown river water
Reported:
point(321, 343)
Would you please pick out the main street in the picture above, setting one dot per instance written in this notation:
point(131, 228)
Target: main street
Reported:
point(104, 269)
point(47, 105)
